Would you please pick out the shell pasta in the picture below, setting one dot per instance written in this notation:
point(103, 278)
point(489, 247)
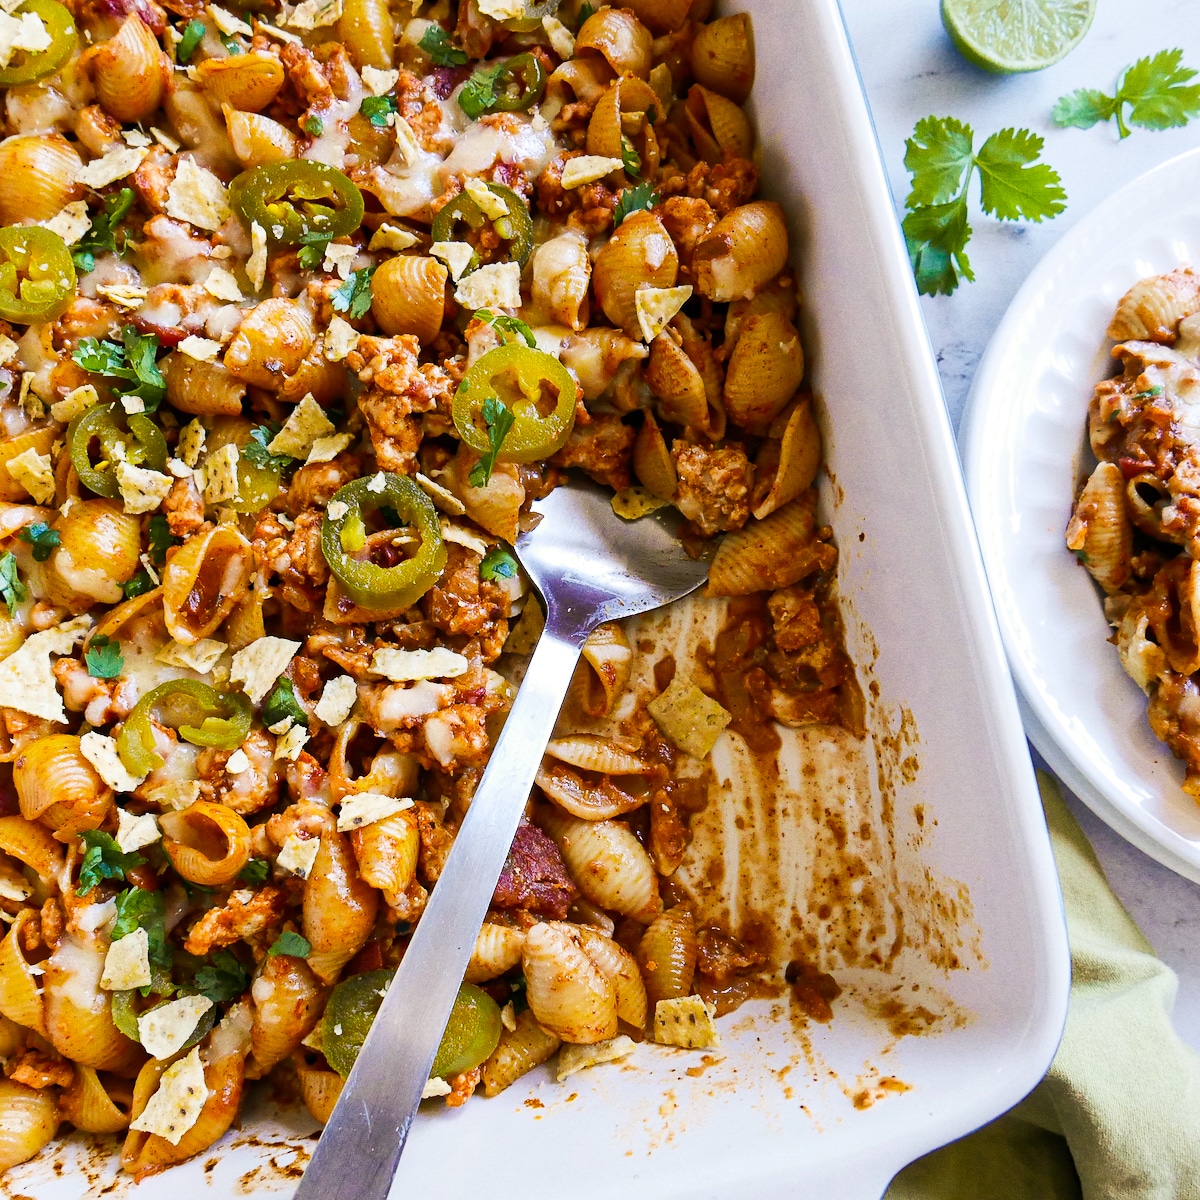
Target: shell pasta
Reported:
point(301, 309)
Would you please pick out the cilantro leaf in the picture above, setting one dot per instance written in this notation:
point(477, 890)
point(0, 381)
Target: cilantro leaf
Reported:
point(255, 871)
point(255, 450)
point(630, 159)
point(586, 12)
point(138, 908)
point(312, 250)
point(104, 859)
point(937, 156)
point(12, 590)
point(1013, 183)
point(354, 296)
point(133, 362)
point(632, 200)
point(1157, 90)
point(503, 323)
point(941, 161)
point(291, 943)
point(102, 236)
point(435, 41)
point(498, 563)
point(223, 979)
point(139, 585)
point(377, 109)
point(42, 538)
point(499, 419)
point(478, 94)
point(231, 44)
point(104, 658)
point(99, 357)
point(161, 538)
point(192, 35)
point(314, 126)
point(281, 704)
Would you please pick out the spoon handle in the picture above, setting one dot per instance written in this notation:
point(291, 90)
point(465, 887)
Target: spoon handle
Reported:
point(360, 1148)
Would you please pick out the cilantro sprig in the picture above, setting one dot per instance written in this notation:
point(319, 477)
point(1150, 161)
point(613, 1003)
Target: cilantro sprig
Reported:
point(193, 33)
point(478, 94)
point(354, 296)
point(42, 538)
point(630, 159)
point(498, 563)
point(291, 943)
point(139, 585)
point(1013, 185)
point(255, 450)
point(104, 658)
point(255, 871)
point(12, 590)
point(314, 126)
point(161, 539)
point(377, 109)
point(499, 420)
point(132, 362)
point(223, 979)
point(435, 41)
point(138, 908)
point(104, 859)
point(634, 199)
point(312, 250)
point(281, 704)
point(504, 324)
point(104, 235)
point(1156, 90)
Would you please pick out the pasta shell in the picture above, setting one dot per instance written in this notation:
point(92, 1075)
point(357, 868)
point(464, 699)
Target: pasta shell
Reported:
point(621, 118)
point(622, 969)
point(718, 126)
point(339, 908)
point(408, 295)
point(20, 998)
point(99, 549)
point(1100, 531)
point(583, 79)
point(746, 249)
point(29, 1118)
point(12, 1037)
point(257, 140)
point(365, 29)
point(39, 178)
point(88, 1105)
point(31, 844)
point(197, 125)
point(207, 843)
point(660, 16)
point(320, 1091)
point(201, 388)
point(517, 1053)
point(639, 254)
point(288, 1003)
point(39, 439)
point(129, 71)
point(386, 851)
point(562, 272)
point(497, 949)
point(620, 39)
point(589, 752)
point(202, 582)
point(78, 1014)
point(247, 81)
point(595, 356)
point(567, 993)
point(58, 786)
point(607, 661)
point(723, 56)
point(1152, 309)
point(788, 464)
point(587, 798)
point(772, 553)
point(271, 342)
point(764, 371)
point(667, 954)
point(652, 462)
point(607, 862)
point(677, 382)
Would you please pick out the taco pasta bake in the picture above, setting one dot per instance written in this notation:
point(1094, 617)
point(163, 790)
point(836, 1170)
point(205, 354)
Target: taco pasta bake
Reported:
point(302, 308)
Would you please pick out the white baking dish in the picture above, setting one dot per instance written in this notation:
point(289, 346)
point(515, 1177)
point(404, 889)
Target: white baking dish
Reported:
point(775, 1115)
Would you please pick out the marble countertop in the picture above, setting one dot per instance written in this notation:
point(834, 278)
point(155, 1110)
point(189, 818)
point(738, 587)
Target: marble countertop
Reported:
point(910, 70)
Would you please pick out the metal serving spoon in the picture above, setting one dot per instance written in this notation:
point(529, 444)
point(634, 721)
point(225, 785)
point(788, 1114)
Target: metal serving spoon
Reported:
point(590, 566)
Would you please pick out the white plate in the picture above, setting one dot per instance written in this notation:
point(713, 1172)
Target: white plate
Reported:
point(1024, 448)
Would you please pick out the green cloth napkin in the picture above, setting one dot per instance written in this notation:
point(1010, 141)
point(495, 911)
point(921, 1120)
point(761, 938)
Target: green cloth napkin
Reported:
point(1118, 1115)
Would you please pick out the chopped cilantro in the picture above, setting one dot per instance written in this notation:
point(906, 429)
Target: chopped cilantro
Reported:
point(499, 419)
point(354, 296)
point(499, 563)
point(42, 538)
point(630, 159)
point(104, 859)
point(503, 323)
point(291, 943)
point(138, 908)
point(255, 450)
point(377, 109)
point(223, 979)
point(192, 35)
point(255, 871)
point(1156, 390)
point(133, 362)
point(104, 658)
point(478, 94)
point(312, 250)
point(281, 704)
point(314, 126)
point(586, 12)
point(231, 44)
point(436, 43)
point(632, 200)
point(161, 538)
point(1082, 555)
point(139, 585)
point(12, 590)
point(103, 235)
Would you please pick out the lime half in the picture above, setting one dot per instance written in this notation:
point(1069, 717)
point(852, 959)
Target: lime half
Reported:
point(1008, 36)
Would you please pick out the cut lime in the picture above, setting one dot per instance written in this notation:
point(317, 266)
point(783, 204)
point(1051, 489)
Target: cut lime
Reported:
point(1007, 36)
